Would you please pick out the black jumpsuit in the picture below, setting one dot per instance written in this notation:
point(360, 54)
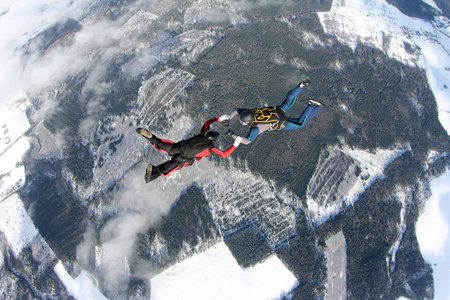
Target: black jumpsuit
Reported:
point(186, 152)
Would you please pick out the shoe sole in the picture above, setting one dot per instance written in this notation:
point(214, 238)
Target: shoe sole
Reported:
point(145, 133)
point(316, 103)
point(148, 174)
point(304, 83)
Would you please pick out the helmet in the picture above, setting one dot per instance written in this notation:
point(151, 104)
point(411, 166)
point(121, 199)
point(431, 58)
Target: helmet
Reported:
point(211, 135)
point(246, 117)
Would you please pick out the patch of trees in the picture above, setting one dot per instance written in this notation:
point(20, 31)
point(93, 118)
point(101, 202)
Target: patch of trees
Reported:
point(248, 246)
point(56, 212)
point(415, 8)
point(69, 110)
point(79, 162)
point(304, 256)
point(188, 222)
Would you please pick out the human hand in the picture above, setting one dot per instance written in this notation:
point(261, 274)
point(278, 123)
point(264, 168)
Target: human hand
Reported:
point(237, 140)
point(225, 120)
point(224, 117)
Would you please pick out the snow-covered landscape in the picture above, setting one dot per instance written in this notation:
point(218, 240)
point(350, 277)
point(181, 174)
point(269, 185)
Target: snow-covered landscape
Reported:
point(374, 23)
point(209, 271)
point(433, 234)
point(381, 25)
point(210, 275)
point(321, 206)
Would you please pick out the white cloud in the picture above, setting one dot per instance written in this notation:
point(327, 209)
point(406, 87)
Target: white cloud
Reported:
point(23, 20)
point(139, 207)
point(86, 249)
point(5, 5)
point(118, 239)
point(24, 69)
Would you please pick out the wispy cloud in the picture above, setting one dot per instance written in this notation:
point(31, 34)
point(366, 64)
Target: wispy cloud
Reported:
point(22, 21)
point(139, 207)
point(91, 48)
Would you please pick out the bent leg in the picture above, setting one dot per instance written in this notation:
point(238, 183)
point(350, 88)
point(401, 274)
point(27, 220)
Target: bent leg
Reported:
point(164, 169)
point(162, 145)
point(167, 168)
point(290, 98)
point(307, 115)
point(177, 162)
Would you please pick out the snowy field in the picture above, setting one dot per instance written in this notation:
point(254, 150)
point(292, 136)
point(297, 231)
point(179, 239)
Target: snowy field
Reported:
point(215, 274)
point(14, 123)
point(432, 230)
point(16, 224)
point(81, 287)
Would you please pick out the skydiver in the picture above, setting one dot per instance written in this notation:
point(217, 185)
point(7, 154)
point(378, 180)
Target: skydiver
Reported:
point(263, 119)
point(185, 152)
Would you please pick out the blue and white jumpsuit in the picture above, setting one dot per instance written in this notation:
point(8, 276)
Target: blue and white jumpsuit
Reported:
point(291, 123)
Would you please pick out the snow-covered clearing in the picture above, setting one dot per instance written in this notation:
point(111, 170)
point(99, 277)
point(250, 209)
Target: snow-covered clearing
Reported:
point(81, 288)
point(432, 230)
point(215, 274)
point(16, 224)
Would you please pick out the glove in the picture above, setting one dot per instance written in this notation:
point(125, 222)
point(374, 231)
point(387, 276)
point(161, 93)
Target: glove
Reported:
point(237, 141)
point(223, 118)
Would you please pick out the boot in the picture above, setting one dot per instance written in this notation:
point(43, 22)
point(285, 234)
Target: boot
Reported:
point(315, 103)
point(304, 83)
point(144, 132)
point(151, 173)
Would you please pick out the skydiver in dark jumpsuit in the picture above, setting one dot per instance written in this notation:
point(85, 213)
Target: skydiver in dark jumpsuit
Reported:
point(263, 119)
point(185, 152)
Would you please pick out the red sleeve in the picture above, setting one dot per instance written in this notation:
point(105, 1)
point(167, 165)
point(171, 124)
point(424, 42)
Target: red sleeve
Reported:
point(216, 152)
point(207, 124)
point(223, 154)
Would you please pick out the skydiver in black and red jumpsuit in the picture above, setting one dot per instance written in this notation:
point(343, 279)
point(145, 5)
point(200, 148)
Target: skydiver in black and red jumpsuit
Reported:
point(185, 152)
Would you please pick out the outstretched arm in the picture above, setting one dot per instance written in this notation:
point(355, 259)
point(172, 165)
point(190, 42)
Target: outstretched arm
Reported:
point(207, 124)
point(233, 113)
point(253, 133)
point(223, 154)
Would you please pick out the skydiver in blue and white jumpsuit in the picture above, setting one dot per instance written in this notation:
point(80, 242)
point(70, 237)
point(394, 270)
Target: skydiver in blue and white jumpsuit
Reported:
point(263, 119)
